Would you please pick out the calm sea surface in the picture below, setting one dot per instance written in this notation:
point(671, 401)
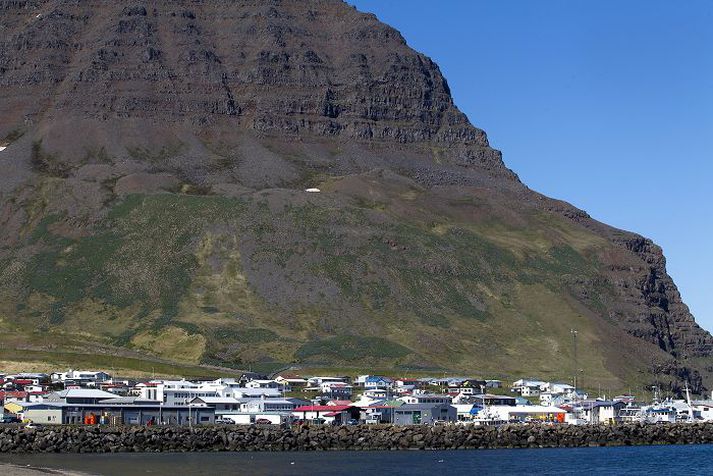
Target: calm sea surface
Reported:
point(660, 460)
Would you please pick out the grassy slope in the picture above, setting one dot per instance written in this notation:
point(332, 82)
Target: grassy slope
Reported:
point(29, 360)
point(385, 276)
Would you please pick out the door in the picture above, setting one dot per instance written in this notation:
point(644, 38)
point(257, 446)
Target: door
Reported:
point(416, 418)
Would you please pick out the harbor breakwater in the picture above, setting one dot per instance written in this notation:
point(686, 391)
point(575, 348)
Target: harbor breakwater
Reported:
point(68, 439)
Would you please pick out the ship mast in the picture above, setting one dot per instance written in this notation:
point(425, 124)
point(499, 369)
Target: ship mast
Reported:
point(688, 401)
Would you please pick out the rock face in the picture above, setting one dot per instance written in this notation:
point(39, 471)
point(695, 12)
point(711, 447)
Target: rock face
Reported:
point(282, 68)
point(360, 438)
point(662, 317)
point(152, 199)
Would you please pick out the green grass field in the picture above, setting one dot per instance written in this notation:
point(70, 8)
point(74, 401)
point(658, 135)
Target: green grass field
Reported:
point(275, 279)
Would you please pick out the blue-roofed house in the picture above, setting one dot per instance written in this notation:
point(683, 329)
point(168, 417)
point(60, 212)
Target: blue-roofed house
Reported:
point(376, 382)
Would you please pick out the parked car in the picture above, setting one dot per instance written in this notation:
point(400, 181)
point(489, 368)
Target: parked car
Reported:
point(317, 421)
point(7, 420)
point(352, 422)
point(224, 421)
point(263, 421)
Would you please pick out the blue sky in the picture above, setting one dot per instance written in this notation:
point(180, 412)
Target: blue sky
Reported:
point(606, 104)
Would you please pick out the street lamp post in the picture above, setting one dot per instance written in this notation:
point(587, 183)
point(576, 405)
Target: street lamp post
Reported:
point(574, 346)
point(190, 419)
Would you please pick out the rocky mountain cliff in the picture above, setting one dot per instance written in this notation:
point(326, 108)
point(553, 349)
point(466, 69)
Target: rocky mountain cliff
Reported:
point(152, 202)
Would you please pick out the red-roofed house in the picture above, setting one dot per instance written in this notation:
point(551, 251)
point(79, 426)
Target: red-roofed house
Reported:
point(331, 413)
point(343, 403)
point(37, 396)
point(13, 396)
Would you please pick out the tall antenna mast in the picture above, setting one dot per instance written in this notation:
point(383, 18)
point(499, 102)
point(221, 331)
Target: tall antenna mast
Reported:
point(574, 348)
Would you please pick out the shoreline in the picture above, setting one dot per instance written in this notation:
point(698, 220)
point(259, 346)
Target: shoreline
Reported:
point(10, 469)
point(83, 439)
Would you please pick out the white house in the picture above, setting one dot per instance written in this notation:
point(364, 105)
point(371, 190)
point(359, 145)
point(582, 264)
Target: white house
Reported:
point(318, 381)
point(558, 388)
point(221, 404)
point(598, 411)
point(34, 388)
point(527, 388)
point(272, 405)
point(149, 391)
point(337, 390)
point(418, 398)
point(553, 399)
point(408, 383)
point(174, 392)
point(263, 384)
point(703, 410)
point(373, 382)
point(233, 388)
point(377, 382)
point(404, 389)
point(255, 393)
point(379, 393)
point(561, 395)
point(81, 376)
point(530, 391)
point(37, 397)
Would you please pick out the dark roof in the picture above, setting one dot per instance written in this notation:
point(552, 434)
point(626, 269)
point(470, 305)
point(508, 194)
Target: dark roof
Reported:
point(422, 406)
point(322, 408)
point(601, 403)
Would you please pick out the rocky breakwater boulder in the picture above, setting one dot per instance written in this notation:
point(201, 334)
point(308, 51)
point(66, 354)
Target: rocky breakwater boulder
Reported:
point(74, 439)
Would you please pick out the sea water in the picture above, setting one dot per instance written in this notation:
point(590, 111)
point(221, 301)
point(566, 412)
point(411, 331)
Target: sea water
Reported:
point(642, 460)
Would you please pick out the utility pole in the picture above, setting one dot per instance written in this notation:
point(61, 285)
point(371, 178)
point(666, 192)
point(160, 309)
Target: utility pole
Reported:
point(190, 419)
point(574, 347)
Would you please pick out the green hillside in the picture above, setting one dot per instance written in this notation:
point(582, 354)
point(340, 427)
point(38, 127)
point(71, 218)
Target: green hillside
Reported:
point(427, 280)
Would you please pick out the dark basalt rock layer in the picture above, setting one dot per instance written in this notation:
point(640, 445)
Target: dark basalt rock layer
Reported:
point(283, 68)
